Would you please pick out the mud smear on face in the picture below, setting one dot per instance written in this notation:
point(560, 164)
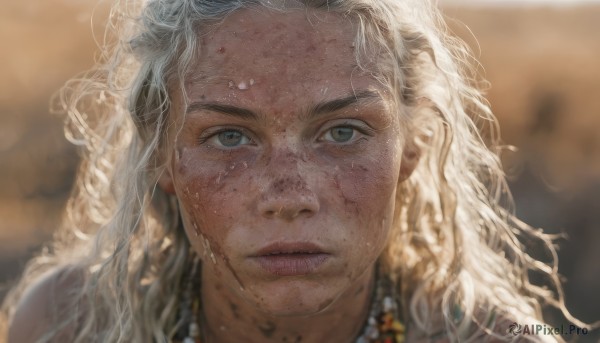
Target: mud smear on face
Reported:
point(219, 251)
point(360, 290)
point(211, 247)
point(347, 201)
point(288, 184)
point(325, 304)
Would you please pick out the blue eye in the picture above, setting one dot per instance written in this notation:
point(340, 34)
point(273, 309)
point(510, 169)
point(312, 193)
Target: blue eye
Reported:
point(230, 138)
point(340, 134)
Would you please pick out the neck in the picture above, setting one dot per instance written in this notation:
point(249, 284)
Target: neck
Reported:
point(229, 319)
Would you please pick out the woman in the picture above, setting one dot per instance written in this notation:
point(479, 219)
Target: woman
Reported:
point(283, 171)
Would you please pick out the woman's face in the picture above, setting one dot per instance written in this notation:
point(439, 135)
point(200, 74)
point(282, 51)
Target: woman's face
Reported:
point(287, 162)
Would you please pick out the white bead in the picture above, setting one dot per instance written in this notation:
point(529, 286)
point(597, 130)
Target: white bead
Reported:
point(194, 330)
point(388, 304)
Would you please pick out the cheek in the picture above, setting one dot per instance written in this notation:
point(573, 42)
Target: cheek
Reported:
point(209, 194)
point(367, 186)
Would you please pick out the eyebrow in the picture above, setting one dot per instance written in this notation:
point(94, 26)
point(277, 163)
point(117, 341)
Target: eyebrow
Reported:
point(221, 108)
point(315, 111)
point(338, 104)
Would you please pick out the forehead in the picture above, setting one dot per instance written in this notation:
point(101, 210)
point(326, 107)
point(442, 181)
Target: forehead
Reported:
point(279, 65)
point(274, 36)
point(292, 48)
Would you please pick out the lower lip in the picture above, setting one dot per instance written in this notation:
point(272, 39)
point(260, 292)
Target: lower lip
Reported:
point(291, 264)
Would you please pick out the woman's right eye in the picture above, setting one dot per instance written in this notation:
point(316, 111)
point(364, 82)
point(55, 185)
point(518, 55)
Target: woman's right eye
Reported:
point(229, 138)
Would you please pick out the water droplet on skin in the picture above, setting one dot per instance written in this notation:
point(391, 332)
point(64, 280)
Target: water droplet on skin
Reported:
point(242, 85)
point(251, 82)
point(207, 249)
point(197, 195)
point(231, 84)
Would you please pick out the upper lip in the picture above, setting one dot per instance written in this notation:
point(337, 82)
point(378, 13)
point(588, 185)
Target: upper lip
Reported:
point(289, 248)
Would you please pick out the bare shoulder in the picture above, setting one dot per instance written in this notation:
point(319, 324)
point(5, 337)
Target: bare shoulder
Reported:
point(45, 304)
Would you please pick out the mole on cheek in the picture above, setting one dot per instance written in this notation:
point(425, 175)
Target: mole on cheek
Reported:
point(234, 310)
point(267, 329)
point(211, 244)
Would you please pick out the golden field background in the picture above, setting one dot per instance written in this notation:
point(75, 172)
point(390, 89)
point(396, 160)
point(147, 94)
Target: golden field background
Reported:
point(542, 62)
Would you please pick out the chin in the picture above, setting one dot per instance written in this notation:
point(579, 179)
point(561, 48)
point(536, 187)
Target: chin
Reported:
point(295, 298)
point(294, 308)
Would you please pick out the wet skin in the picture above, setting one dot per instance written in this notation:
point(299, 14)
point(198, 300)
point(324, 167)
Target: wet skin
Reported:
point(284, 140)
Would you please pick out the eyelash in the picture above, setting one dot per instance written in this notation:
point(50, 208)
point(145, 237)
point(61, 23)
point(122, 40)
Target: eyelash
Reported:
point(364, 130)
point(204, 137)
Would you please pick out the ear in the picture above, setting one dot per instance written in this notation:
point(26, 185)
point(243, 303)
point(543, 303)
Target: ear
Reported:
point(410, 160)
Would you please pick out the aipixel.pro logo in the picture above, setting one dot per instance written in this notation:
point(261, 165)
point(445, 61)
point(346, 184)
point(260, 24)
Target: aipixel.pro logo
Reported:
point(545, 330)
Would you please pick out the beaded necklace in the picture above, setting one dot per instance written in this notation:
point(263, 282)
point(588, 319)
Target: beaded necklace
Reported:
point(382, 326)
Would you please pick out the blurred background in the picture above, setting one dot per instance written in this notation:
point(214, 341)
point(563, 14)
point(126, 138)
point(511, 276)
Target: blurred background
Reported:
point(541, 57)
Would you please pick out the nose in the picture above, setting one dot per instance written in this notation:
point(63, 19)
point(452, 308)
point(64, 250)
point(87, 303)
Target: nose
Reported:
point(287, 198)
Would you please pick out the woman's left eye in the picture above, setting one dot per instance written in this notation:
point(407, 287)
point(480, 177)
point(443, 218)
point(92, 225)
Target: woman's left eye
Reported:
point(340, 134)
